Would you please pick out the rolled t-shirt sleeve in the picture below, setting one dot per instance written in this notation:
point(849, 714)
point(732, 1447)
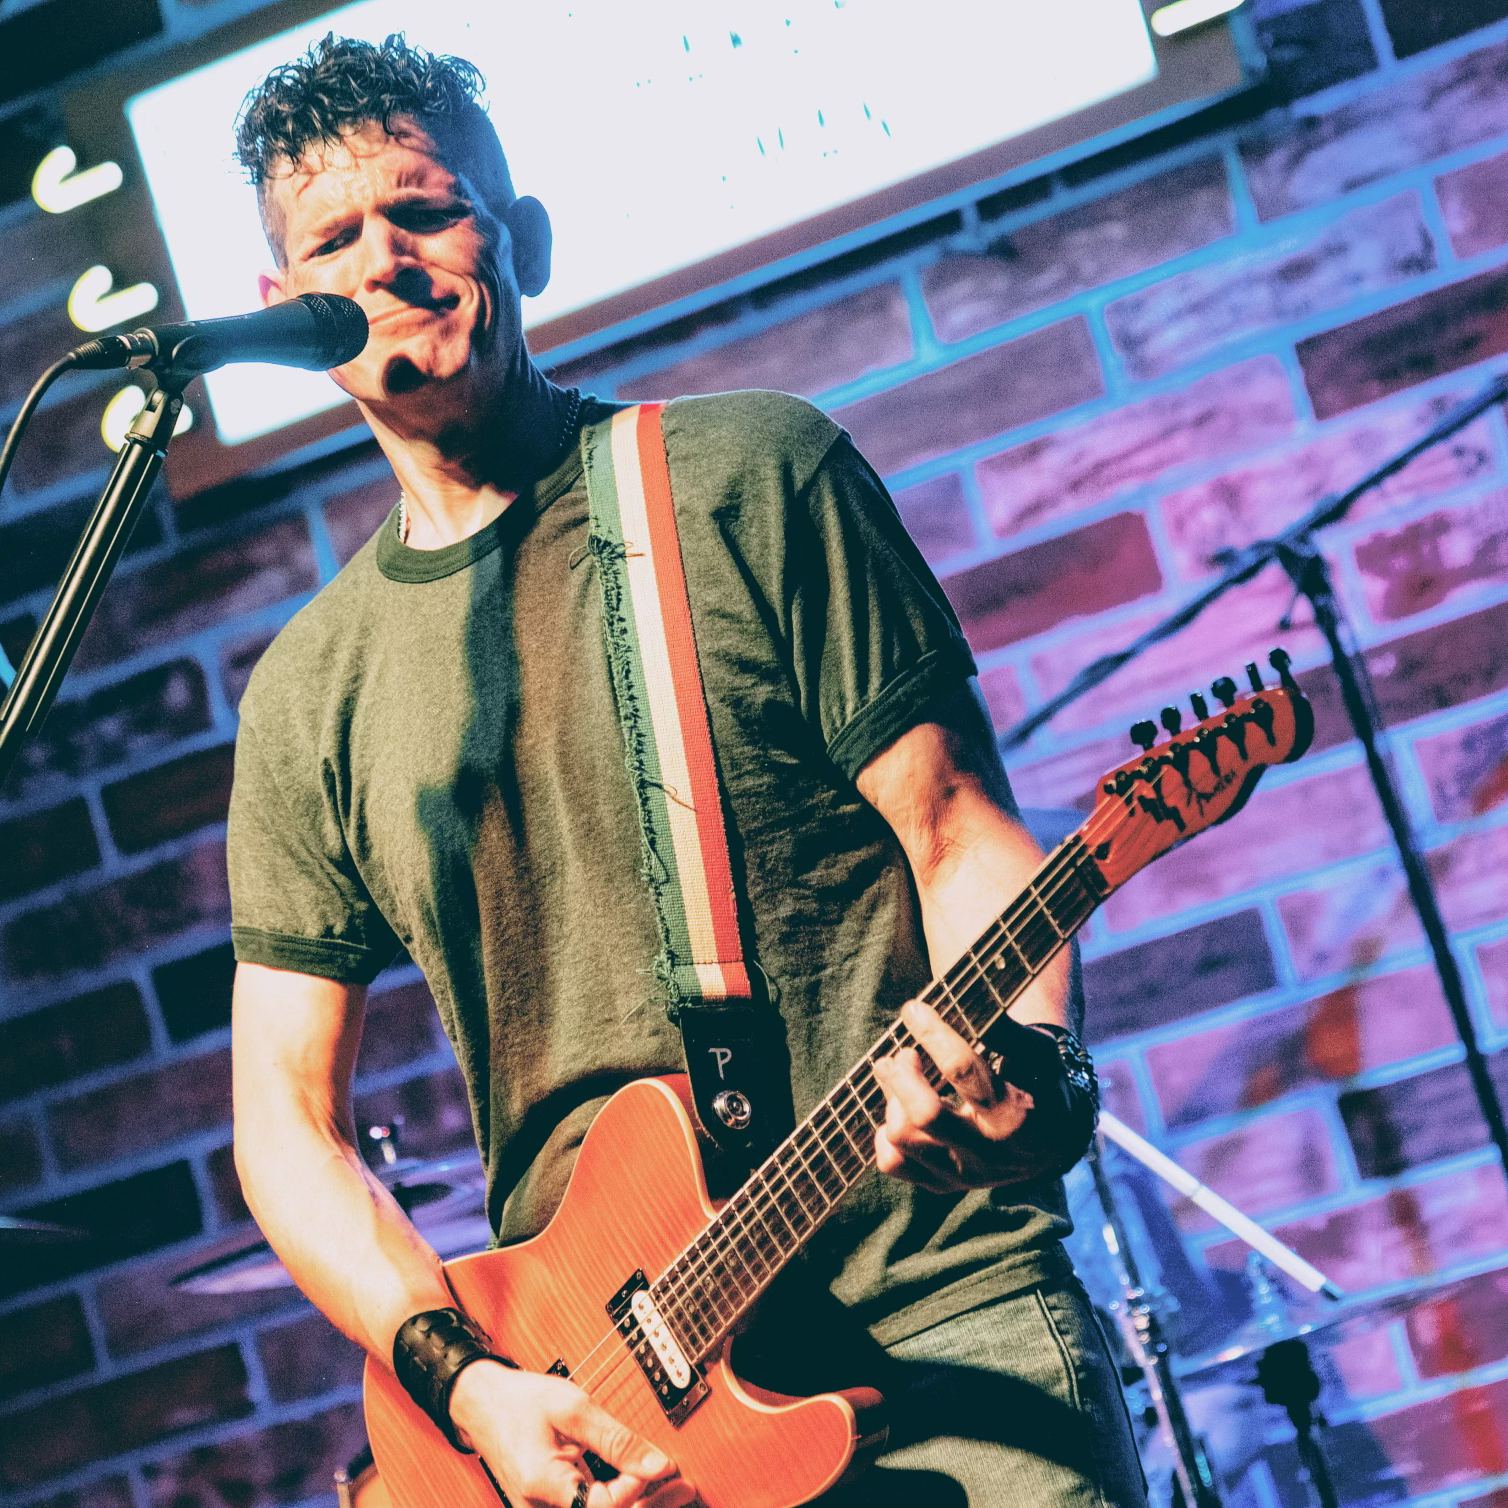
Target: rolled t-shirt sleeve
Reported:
point(297, 901)
point(876, 640)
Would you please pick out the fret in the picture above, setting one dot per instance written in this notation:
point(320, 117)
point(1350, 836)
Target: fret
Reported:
point(769, 1220)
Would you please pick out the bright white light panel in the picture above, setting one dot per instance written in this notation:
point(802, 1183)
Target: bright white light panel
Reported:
point(657, 132)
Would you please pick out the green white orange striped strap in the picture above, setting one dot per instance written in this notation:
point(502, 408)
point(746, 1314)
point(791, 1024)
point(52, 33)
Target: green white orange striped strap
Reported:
point(662, 707)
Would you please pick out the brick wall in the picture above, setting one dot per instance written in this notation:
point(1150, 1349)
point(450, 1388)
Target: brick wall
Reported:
point(1079, 391)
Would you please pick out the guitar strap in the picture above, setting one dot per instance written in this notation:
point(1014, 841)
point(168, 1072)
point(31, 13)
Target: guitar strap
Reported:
point(731, 1034)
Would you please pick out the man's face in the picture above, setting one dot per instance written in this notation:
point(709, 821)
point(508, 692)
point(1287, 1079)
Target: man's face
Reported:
point(384, 221)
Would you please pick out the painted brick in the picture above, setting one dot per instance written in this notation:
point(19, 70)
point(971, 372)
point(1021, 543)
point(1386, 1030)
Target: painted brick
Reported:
point(193, 993)
point(1434, 559)
point(86, 930)
point(199, 588)
point(308, 1357)
point(38, 545)
point(1312, 45)
point(127, 720)
point(140, 1310)
point(1242, 627)
point(1085, 247)
point(1118, 1092)
point(285, 1463)
point(220, 1164)
point(1301, 158)
point(1155, 983)
point(1496, 1499)
point(28, 343)
point(1238, 408)
point(1360, 1026)
point(865, 332)
point(45, 43)
point(1417, 25)
point(20, 1155)
point(1277, 1160)
point(64, 441)
point(1417, 1120)
point(108, 1492)
point(1016, 382)
point(256, 492)
point(1474, 202)
point(127, 1217)
point(170, 799)
point(145, 1110)
point(1364, 1362)
point(1256, 501)
point(1002, 695)
point(1028, 591)
point(237, 661)
point(1175, 322)
point(1277, 835)
point(1466, 768)
point(937, 517)
point(352, 517)
point(1450, 1441)
point(1404, 1233)
point(42, 1344)
point(44, 847)
point(1492, 959)
point(436, 1115)
point(41, 251)
point(401, 1025)
point(122, 1414)
point(1351, 924)
point(1071, 776)
point(1463, 1328)
point(60, 1042)
point(1423, 337)
point(1468, 873)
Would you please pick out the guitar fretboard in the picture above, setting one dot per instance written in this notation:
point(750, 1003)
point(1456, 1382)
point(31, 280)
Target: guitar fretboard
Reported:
point(704, 1292)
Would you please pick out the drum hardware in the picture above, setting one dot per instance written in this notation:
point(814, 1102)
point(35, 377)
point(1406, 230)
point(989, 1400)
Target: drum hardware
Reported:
point(357, 1484)
point(16, 1231)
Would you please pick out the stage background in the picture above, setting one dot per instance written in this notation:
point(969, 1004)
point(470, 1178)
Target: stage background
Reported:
point(1077, 390)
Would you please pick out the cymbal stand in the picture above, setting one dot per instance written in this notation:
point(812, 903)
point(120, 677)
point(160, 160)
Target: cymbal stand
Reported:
point(1286, 1378)
point(1149, 1346)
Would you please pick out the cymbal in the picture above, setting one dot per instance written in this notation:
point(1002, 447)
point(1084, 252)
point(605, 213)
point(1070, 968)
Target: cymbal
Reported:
point(1225, 1363)
point(14, 1231)
point(444, 1198)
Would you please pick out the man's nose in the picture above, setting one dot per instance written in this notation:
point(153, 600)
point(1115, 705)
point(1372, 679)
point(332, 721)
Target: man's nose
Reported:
point(388, 255)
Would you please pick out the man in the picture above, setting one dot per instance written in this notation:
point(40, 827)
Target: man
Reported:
point(429, 756)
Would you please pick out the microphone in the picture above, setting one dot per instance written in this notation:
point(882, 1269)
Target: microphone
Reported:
point(315, 331)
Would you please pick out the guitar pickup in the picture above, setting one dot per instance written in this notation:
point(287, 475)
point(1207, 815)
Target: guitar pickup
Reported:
point(677, 1384)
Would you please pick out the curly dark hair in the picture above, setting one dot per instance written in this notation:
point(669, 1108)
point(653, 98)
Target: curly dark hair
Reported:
point(341, 84)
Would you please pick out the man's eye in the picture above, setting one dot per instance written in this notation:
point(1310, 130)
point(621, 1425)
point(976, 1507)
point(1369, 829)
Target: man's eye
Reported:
point(334, 244)
point(428, 217)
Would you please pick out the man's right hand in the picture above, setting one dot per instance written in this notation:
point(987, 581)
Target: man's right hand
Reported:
point(532, 1431)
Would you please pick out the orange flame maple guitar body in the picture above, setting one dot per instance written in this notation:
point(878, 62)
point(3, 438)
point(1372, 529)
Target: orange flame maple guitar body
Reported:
point(635, 1200)
point(634, 1286)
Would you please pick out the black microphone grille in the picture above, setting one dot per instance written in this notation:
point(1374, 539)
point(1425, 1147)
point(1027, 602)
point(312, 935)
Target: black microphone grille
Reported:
point(342, 326)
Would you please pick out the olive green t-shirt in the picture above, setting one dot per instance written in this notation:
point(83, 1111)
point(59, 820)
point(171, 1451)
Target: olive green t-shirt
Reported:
point(430, 755)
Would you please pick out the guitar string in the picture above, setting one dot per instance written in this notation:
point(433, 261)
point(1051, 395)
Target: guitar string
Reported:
point(1064, 869)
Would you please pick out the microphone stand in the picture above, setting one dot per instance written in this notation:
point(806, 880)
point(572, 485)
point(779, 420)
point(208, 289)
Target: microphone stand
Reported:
point(89, 570)
point(1298, 554)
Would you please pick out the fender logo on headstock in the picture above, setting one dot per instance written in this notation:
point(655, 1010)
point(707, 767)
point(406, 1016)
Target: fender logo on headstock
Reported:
point(1201, 776)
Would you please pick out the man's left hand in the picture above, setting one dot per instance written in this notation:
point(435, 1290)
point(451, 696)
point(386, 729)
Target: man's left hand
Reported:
point(983, 1136)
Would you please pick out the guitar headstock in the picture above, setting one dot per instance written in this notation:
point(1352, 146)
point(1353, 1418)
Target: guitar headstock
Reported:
point(1202, 775)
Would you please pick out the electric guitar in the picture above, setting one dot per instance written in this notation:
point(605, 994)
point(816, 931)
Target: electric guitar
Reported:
point(634, 1288)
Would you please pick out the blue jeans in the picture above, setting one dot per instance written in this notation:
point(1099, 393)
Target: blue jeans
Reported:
point(1015, 1404)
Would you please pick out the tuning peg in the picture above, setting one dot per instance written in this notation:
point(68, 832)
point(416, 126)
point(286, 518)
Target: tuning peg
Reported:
point(1144, 734)
point(1200, 706)
point(1254, 676)
point(1280, 662)
point(1224, 690)
point(1172, 719)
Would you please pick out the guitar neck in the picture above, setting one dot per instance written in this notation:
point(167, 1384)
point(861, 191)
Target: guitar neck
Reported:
point(714, 1281)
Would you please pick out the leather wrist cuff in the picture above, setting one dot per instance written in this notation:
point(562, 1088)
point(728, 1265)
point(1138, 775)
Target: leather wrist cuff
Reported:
point(1075, 1099)
point(430, 1351)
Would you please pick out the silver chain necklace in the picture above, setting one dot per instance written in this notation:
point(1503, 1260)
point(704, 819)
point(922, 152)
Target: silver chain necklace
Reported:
point(567, 436)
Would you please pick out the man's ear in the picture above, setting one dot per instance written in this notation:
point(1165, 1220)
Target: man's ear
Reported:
point(528, 225)
point(270, 287)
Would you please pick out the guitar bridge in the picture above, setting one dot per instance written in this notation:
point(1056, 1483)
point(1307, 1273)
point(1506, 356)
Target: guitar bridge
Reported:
point(677, 1384)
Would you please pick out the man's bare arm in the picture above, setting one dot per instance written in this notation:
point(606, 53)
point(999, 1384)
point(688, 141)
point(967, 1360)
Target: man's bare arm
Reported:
point(356, 1255)
point(941, 788)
